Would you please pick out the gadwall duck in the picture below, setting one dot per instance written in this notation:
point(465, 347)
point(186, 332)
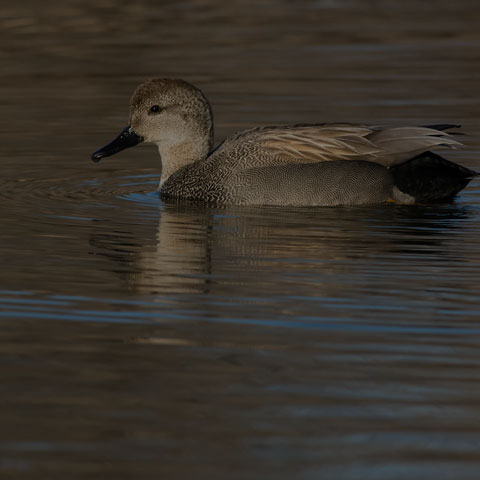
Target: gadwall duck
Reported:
point(317, 164)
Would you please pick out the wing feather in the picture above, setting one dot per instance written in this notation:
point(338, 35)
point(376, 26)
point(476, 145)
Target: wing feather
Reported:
point(399, 144)
point(319, 143)
point(385, 145)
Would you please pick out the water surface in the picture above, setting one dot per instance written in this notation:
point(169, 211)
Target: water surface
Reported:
point(144, 339)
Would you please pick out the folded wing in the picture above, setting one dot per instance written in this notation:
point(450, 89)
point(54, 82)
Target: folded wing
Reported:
point(385, 145)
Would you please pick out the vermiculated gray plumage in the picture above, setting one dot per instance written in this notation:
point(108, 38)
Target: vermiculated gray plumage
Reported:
point(317, 164)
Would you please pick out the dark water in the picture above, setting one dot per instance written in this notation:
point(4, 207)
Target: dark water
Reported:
point(143, 340)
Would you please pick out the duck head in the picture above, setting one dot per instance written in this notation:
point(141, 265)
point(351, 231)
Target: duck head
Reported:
point(172, 114)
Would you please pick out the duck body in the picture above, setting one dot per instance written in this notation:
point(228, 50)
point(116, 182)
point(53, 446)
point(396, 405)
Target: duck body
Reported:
point(301, 165)
point(240, 173)
point(317, 184)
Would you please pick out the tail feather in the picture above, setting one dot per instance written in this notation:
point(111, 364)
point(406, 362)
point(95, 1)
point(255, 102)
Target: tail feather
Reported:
point(428, 177)
point(443, 126)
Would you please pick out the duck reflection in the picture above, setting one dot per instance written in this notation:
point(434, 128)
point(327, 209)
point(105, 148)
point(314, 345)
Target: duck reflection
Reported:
point(199, 249)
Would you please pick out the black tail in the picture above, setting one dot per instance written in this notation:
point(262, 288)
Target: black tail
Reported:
point(444, 126)
point(429, 177)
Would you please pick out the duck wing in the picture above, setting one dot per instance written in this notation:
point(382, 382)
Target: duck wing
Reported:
point(385, 145)
point(400, 144)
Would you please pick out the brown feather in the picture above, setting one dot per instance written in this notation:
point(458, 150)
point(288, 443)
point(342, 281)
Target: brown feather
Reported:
point(385, 145)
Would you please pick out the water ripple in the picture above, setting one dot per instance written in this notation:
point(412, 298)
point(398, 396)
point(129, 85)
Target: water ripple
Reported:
point(66, 193)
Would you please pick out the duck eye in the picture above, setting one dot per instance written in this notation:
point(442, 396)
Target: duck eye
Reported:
point(154, 109)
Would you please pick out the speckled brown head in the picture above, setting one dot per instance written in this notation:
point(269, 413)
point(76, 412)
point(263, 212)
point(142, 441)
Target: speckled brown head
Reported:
point(163, 108)
point(175, 116)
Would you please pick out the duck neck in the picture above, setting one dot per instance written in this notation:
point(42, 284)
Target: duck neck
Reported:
point(176, 155)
